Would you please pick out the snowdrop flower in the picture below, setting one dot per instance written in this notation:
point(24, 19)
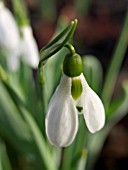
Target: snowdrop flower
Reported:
point(9, 34)
point(72, 95)
point(9, 37)
point(29, 49)
point(17, 46)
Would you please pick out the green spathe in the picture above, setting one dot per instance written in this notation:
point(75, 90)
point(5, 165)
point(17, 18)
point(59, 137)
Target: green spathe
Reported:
point(72, 65)
point(76, 88)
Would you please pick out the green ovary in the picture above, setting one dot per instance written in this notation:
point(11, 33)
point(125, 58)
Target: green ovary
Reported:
point(72, 65)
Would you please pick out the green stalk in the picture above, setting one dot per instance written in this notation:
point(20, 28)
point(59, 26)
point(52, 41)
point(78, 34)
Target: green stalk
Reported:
point(73, 156)
point(71, 48)
point(67, 158)
point(79, 146)
point(44, 103)
point(115, 64)
point(20, 12)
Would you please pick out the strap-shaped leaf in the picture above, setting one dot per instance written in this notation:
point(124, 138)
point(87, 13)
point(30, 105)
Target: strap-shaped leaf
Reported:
point(119, 107)
point(4, 160)
point(58, 42)
point(93, 72)
point(38, 138)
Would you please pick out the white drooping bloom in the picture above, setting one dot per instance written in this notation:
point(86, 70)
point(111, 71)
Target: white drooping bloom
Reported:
point(17, 46)
point(9, 34)
point(29, 49)
point(62, 117)
point(9, 37)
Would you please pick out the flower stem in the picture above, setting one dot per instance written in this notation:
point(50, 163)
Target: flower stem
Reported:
point(20, 11)
point(71, 48)
point(67, 158)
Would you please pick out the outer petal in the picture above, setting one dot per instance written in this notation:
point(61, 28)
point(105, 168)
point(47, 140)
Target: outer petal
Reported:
point(62, 118)
point(29, 47)
point(9, 34)
point(13, 60)
point(93, 109)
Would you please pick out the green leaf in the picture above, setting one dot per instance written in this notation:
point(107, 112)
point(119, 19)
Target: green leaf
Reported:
point(115, 64)
point(53, 72)
point(24, 84)
point(20, 11)
point(119, 107)
point(95, 142)
point(58, 42)
point(12, 124)
point(4, 160)
point(93, 72)
point(37, 138)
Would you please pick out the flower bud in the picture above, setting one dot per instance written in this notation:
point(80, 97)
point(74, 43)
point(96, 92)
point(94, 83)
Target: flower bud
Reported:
point(72, 65)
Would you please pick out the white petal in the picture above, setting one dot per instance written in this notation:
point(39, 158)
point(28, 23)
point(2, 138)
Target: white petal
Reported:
point(29, 47)
point(13, 60)
point(9, 33)
point(93, 108)
point(62, 118)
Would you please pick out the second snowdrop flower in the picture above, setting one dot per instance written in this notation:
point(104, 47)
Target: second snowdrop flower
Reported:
point(29, 49)
point(72, 95)
point(9, 36)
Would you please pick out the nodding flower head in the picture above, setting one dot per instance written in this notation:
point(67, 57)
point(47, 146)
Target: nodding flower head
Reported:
point(17, 46)
point(9, 33)
point(72, 96)
point(9, 37)
point(29, 49)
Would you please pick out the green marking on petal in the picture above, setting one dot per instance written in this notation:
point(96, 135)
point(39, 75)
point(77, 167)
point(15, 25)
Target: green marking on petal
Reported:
point(76, 88)
point(79, 108)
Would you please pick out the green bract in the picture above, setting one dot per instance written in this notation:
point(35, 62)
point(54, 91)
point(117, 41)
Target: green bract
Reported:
point(76, 88)
point(72, 65)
